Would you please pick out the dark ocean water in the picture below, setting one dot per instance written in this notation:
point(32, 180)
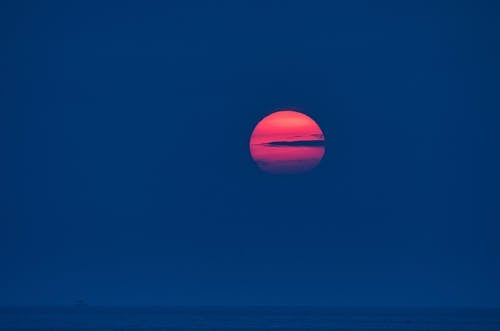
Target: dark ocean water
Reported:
point(257, 318)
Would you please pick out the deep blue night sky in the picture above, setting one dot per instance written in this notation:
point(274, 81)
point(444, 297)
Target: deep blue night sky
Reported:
point(126, 177)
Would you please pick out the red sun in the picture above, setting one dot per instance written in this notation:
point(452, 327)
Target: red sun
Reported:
point(287, 142)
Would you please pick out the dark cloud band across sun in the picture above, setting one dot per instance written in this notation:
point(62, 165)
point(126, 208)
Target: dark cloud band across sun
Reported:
point(308, 143)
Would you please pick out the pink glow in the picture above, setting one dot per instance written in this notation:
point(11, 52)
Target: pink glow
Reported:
point(279, 129)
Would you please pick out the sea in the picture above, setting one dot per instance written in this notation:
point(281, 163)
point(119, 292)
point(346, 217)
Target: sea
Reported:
point(246, 318)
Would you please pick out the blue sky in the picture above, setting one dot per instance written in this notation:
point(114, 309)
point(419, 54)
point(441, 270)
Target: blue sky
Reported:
point(126, 176)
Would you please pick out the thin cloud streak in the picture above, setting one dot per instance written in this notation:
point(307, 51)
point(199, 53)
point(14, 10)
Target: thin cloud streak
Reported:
point(296, 143)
